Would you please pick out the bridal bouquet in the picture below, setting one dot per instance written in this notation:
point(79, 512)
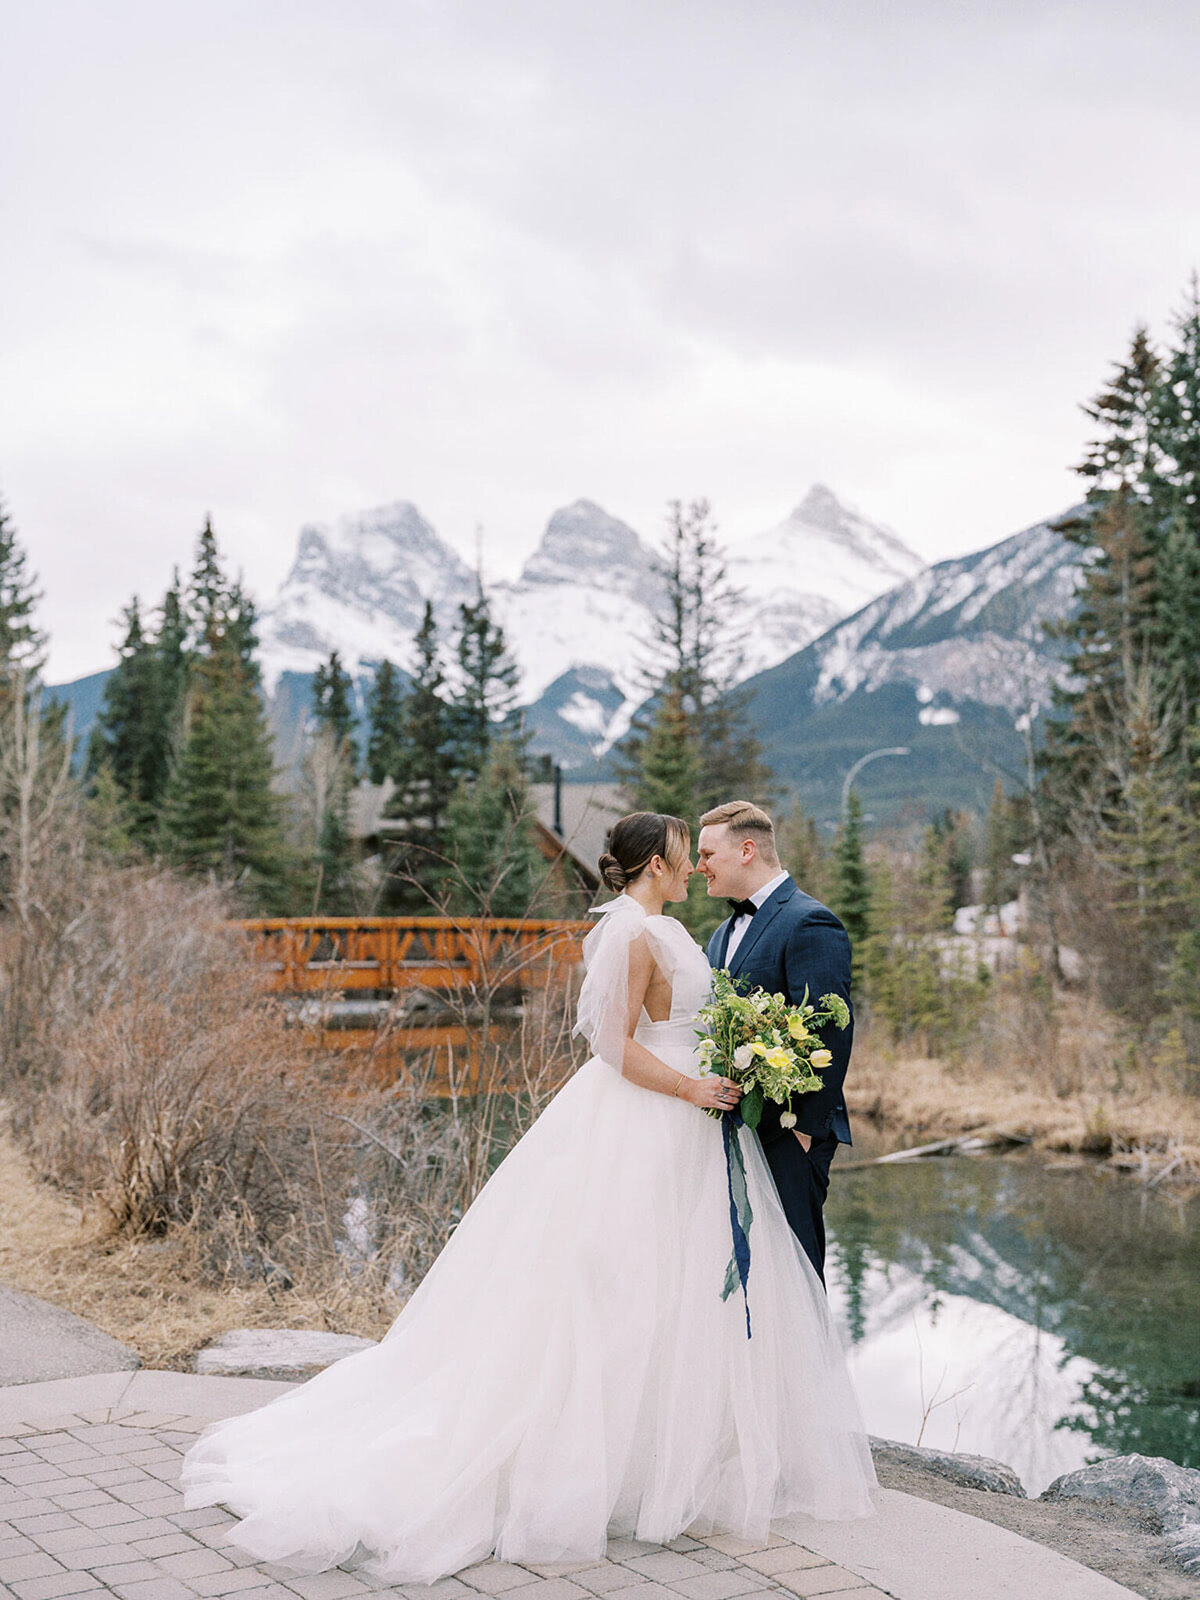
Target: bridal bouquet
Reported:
point(772, 1049)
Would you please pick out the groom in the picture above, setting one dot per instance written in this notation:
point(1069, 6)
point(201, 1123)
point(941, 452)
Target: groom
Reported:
point(782, 940)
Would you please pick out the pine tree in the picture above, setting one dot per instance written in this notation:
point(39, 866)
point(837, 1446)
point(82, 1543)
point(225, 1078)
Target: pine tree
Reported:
point(220, 814)
point(803, 852)
point(851, 899)
point(697, 651)
point(425, 781)
point(125, 737)
point(1006, 833)
point(484, 699)
point(22, 643)
point(330, 773)
point(173, 659)
point(1177, 428)
point(1115, 623)
point(495, 868)
point(208, 589)
point(241, 623)
point(385, 721)
point(333, 705)
point(668, 777)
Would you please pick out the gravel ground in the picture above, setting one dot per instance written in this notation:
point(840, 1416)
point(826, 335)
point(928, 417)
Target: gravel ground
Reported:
point(1124, 1547)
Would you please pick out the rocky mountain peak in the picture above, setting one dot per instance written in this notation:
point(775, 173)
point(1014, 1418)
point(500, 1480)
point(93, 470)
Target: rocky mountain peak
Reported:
point(820, 508)
point(583, 542)
point(823, 514)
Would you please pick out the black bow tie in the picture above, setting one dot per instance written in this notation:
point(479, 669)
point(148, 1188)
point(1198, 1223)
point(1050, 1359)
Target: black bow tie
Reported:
point(743, 908)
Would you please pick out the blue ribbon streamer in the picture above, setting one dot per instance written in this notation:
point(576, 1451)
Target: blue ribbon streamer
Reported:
point(740, 1214)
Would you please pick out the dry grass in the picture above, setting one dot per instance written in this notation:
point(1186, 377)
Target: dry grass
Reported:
point(1070, 1081)
point(178, 1158)
point(159, 1296)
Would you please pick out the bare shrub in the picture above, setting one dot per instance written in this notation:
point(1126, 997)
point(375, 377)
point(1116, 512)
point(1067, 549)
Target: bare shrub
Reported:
point(169, 1095)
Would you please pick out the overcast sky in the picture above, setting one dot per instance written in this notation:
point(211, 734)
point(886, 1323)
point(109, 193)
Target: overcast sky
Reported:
point(279, 261)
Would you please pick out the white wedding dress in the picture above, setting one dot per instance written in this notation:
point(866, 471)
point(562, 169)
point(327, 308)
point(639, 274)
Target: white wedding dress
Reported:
point(568, 1368)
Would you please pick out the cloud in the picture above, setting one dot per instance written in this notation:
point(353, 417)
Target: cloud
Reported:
point(284, 261)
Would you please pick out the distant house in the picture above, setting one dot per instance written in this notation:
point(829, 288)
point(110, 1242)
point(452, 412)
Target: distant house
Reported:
point(570, 826)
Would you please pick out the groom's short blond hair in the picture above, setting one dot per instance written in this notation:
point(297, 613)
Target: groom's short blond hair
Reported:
point(745, 820)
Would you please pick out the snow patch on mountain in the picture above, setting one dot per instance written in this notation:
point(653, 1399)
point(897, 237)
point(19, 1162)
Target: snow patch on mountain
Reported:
point(586, 600)
point(359, 587)
point(821, 563)
point(938, 631)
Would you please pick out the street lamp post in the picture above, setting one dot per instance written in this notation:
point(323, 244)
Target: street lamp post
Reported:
point(871, 755)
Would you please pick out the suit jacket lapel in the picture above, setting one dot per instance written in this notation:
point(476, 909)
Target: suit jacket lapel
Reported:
point(723, 944)
point(760, 922)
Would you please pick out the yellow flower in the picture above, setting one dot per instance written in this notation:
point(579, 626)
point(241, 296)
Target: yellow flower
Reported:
point(797, 1029)
point(780, 1059)
point(759, 1048)
point(821, 1059)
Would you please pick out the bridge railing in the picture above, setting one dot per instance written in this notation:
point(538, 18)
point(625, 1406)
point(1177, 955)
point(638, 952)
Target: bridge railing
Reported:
point(302, 955)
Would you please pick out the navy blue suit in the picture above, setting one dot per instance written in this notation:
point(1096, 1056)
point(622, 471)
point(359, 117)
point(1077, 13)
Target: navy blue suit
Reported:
point(794, 942)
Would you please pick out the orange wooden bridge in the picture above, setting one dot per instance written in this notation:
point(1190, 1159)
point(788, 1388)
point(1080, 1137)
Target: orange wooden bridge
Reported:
point(332, 958)
point(325, 955)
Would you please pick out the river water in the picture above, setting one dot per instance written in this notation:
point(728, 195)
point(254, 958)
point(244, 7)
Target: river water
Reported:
point(1043, 1313)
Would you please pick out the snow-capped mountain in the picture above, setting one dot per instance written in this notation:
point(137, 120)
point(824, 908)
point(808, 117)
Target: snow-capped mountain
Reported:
point(952, 665)
point(360, 588)
point(820, 564)
point(580, 616)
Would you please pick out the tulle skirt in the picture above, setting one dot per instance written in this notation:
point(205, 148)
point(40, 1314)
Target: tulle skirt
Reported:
point(567, 1370)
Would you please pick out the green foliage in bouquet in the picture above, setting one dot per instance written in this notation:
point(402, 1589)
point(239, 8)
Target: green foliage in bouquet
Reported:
point(772, 1049)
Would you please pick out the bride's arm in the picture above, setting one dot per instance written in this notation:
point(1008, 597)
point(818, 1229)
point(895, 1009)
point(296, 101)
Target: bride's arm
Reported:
point(642, 1066)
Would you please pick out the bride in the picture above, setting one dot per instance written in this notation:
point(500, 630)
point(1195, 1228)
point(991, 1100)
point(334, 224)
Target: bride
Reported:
point(568, 1370)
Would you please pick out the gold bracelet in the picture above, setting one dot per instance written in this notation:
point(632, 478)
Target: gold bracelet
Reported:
point(675, 1091)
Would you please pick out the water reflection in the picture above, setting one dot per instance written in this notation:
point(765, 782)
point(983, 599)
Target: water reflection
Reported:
point(1041, 1315)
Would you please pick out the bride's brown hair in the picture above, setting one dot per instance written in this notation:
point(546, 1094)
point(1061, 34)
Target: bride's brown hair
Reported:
point(635, 840)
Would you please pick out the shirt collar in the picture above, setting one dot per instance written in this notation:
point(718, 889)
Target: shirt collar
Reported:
point(761, 896)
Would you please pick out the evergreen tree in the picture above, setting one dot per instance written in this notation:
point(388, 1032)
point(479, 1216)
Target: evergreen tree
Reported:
point(1114, 625)
point(494, 864)
point(425, 780)
point(208, 590)
point(385, 721)
point(803, 852)
point(851, 882)
point(172, 662)
point(697, 653)
point(330, 772)
point(220, 814)
point(22, 643)
point(484, 700)
point(125, 737)
point(668, 775)
point(1006, 833)
point(1177, 429)
point(241, 623)
point(333, 705)
point(949, 855)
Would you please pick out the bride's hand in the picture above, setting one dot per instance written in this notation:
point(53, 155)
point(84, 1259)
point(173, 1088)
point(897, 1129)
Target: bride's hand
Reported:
point(717, 1094)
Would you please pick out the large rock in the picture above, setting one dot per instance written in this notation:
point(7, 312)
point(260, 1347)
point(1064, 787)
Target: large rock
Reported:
point(39, 1342)
point(973, 1472)
point(1169, 1492)
point(276, 1352)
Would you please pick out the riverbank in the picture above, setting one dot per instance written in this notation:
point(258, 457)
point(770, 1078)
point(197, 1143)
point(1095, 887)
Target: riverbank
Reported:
point(1150, 1130)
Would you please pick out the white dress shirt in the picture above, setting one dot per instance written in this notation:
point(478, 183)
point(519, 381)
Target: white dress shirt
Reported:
point(741, 922)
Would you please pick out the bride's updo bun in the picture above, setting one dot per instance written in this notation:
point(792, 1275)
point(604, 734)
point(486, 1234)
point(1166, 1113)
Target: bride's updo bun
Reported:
point(612, 872)
point(635, 840)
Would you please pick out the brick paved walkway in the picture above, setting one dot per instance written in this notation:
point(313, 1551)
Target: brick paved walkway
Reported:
point(89, 1504)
